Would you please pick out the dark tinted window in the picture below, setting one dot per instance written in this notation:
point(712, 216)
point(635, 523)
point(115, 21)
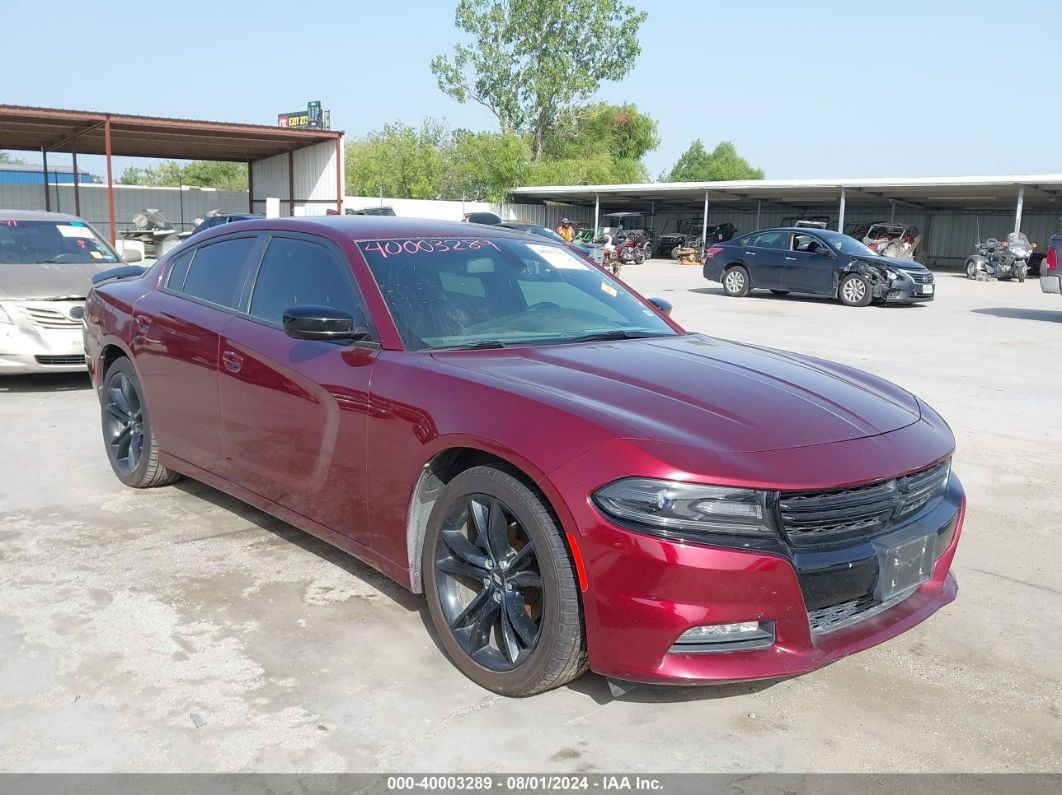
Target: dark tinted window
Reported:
point(771, 240)
point(808, 243)
point(179, 271)
point(215, 272)
point(300, 273)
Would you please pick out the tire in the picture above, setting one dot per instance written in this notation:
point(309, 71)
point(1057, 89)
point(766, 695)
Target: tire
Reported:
point(675, 252)
point(639, 256)
point(128, 438)
point(736, 281)
point(971, 269)
point(1020, 273)
point(780, 292)
point(854, 290)
point(516, 634)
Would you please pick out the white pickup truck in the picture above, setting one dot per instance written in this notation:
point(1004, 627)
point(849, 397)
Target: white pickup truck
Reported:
point(1050, 276)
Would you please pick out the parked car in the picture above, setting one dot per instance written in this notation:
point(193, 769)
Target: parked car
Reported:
point(569, 477)
point(219, 219)
point(816, 262)
point(386, 210)
point(47, 261)
point(1050, 278)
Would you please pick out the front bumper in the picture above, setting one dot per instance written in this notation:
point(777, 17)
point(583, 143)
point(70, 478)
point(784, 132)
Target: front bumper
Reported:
point(41, 337)
point(644, 592)
point(907, 292)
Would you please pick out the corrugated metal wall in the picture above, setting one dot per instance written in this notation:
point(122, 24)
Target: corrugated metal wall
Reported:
point(315, 179)
point(180, 206)
point(543, 215)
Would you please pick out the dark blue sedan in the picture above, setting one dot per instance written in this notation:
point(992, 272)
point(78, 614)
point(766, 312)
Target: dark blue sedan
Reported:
point(815, 262)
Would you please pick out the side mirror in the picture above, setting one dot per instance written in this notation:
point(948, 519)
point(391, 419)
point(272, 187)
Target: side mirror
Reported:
point(823, 252)
point(661, 304)
point(322, 323)
point(132, 255)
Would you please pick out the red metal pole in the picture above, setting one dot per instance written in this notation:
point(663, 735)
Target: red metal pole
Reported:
point(77, 191)
point(339, 179)
point(110, 181)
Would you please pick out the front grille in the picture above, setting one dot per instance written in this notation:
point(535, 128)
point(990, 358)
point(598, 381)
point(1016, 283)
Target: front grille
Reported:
point(60, 360)
point(922, 278)
point(858, 513)
point(845, 614)
point(49, 318)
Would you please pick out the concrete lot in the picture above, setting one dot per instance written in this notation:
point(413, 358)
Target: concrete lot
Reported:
point(178, 630)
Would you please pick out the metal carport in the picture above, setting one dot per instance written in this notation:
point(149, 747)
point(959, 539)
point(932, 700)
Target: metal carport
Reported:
point(309, 161)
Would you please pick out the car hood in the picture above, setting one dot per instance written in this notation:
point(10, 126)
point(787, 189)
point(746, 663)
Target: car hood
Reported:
point(901, 264)
point(695, 389)
point(48, 280)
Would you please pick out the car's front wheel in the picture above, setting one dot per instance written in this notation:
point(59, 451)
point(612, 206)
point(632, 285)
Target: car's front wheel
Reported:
point(131, 447)
point(855, 290)
point(501, 589)
point(736, 282)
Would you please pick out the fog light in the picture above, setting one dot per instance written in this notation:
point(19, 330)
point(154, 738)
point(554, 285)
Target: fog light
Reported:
point(726, 637)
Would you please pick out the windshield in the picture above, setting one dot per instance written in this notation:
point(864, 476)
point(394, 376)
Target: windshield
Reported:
point(31, 242)
point(849, 245)
point(479, 292)
point(1017, 239)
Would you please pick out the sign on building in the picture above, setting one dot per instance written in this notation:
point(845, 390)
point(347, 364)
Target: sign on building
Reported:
point(312, 118)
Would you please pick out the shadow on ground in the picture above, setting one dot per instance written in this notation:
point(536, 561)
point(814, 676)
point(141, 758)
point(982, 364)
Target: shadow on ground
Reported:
point(1017, 313)
point(45, 382)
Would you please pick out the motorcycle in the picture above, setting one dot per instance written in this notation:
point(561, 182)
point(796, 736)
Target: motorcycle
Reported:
point(621, 249)
point(1003, 261)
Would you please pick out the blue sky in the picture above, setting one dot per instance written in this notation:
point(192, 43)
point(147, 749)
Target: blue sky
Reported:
point(803, 89)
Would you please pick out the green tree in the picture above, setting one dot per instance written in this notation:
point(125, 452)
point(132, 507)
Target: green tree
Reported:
point(620, 131)
point(484, 166)
point(202, 173)
point(7, 157)
point(399, 160)
point(723, 163)
point(532, 61)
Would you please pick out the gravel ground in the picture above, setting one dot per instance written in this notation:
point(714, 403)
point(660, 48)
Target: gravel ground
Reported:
point(179, 630)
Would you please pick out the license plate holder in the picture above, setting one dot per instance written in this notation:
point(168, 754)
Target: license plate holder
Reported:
point(903, 566)
point(927, 289)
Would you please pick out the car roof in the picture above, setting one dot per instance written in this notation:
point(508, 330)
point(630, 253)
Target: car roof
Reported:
point(366, 227)
point(35, 215)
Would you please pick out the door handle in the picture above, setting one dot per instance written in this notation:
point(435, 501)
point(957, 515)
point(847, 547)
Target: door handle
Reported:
point(792, 259)
point(750, 253)
point(232, 361)
point(143, 323)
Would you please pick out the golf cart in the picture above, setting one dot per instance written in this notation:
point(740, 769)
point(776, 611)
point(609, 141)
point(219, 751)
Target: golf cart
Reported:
point(887, 238)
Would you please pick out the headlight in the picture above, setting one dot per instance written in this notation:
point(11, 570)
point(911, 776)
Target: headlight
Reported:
point(686, 509)
point(893, 274)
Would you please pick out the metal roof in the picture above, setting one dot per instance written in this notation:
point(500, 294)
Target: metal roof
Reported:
point(22, 167)
point(1042, 191)
point(59, 130)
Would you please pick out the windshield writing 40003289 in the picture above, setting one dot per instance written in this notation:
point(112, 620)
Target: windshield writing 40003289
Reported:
point(390, 248)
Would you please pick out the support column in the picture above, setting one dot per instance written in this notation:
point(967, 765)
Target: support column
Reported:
point(892, 213)
point(840, 213)
point(1017, 213)
point(47, 195)
point(758, 203)
point(77, 186)
point(110, 180)
point(597, 214)
point(250, 187)
point(291, 183)
point(704, 227)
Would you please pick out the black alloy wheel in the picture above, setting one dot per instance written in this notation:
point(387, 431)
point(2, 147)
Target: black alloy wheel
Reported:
point(488, 581)
point(132, 450)
point(501, 587)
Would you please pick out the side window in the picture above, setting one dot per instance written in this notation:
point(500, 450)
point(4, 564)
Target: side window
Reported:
point(301, 273)
point(179, 271)
point(771, 240)
point(807, 243)
point(215, 272)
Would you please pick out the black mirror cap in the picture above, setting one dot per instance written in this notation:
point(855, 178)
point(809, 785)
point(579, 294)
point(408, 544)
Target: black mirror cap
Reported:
point(322, 323)
point(662, 304)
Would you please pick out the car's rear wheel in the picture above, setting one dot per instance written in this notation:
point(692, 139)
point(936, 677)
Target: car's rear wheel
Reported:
point(854, 290)
point(131, 447)
point(501, 589)
point(736, 281)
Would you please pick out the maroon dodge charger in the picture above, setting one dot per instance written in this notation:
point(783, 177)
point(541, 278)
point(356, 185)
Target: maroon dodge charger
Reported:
point(571, 479)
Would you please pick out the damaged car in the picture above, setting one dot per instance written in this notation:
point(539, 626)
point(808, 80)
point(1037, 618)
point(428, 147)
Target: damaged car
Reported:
point(816, 262)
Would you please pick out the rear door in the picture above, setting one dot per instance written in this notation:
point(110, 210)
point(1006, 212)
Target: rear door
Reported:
point(295, 412)
point(765, 256)
point(175, 344)
point(810, 265)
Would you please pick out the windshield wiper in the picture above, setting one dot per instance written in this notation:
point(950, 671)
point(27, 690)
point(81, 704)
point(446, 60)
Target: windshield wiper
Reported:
point(618, 334)
point(472, 346)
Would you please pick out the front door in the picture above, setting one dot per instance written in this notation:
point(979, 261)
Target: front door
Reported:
point(294, 412)
point(175, 345)
point(810, 266)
